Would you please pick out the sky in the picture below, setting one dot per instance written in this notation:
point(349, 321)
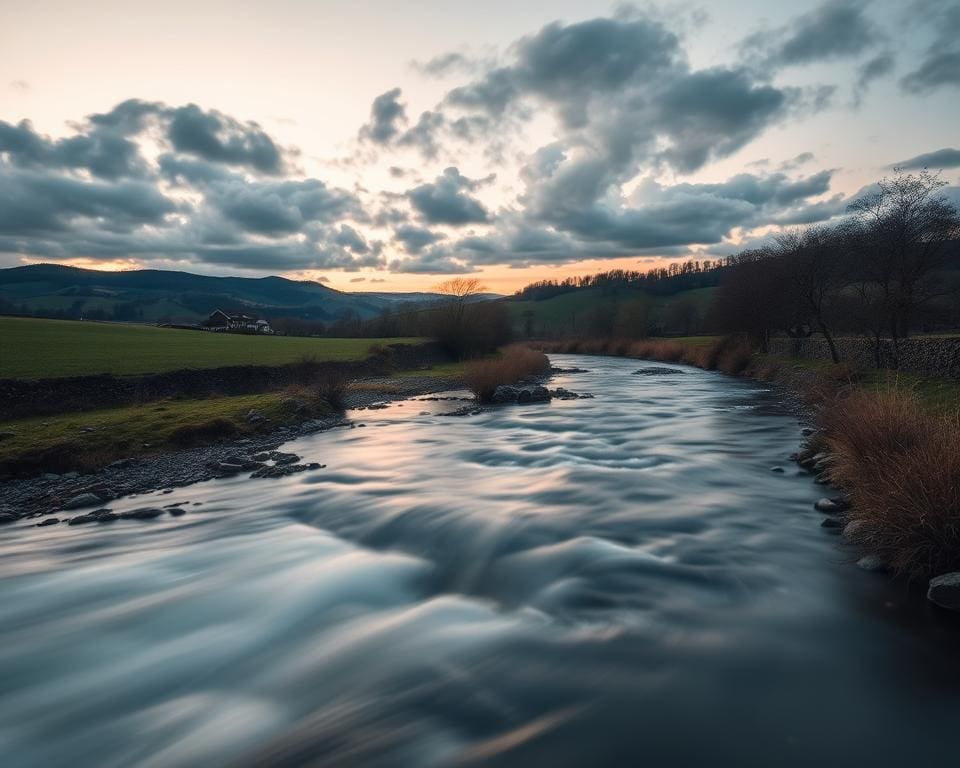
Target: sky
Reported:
point(388, 146)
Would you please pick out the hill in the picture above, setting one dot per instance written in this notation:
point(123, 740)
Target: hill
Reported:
point(151, 295)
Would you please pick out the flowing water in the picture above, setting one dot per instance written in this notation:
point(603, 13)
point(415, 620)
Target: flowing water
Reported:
point(616, 581)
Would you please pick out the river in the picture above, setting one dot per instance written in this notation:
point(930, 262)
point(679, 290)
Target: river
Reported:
point(614, 581)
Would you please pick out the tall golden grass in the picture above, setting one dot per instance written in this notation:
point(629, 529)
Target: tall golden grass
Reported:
point(900, 463)
point(729, 354)
point(507, 367)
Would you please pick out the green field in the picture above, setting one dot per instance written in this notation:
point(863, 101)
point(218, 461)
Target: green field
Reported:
point(32, 348)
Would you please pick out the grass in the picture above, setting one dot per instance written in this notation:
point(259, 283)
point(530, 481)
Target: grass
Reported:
point(59, 443)
point(507, 367)
point(900, 462)
point(441, 370)
point(33, 348)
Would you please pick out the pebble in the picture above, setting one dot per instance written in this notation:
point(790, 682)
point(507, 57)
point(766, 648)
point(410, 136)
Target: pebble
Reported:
point(871, 563)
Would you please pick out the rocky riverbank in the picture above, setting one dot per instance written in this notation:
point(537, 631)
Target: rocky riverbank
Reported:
point(65, 496)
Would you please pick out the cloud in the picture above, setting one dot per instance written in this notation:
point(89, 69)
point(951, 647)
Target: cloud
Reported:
point(939, 66)
point(445, 201)
point(941, 158)
point(222, 139)
point(874, 69)
point(415, 239)
point(387, 115)
point(837, 29)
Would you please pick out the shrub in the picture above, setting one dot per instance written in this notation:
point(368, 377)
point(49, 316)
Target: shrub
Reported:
point(330, 387)
point(512, 364)
point(900, 464)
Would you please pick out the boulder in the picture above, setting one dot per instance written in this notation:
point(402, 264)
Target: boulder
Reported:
point(854, 528)
point(142, 513)
point(97, 516)
point(83, 500)
point(827, 506)
point(871, 563)
point(505, 394)
point(945, 591)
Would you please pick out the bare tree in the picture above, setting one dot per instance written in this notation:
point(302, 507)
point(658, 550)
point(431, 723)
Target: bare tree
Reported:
point(905, 225)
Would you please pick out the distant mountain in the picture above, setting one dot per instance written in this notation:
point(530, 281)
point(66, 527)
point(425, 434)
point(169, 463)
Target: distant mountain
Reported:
point(152, 295)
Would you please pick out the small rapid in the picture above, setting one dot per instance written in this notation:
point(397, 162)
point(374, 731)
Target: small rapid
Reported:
point(608, 581)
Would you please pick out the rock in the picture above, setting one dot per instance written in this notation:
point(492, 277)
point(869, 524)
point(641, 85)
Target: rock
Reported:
point(8, 517)
point(807, 431)
point(228, 468)
point(822, 465)
point(827, 507)
point(176, 511)
point(823, 479)
point(48, 521)
point(854, 528)
point(50, 476)
point(97, 516)
point(945, 591)
point(657, 370)
point(779, 470)
point(540, 394)
point(283, 470)
point(281, 458)
point(142, 513)
point(505, 394)
point(831, 522)
point(260, 457)
point(842, 503)
point(83, 500)
point(7, 435)
point(871, 563)
point(122, 463)
point(524, 396)
point(70, 475)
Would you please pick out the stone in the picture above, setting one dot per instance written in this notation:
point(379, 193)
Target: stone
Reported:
point(827, 507)
point(945, 591)
point(854, 528)
point(97, 516)
point(48, 521)
point(177, 511)
point(283, 470)
point(50, 476)
point(842, 503)
point(524, 396)
point(657, 370)
point(779, 470)
point(141, 513)
point(83, 500)
point(8, 517)
point(831, 522)
point(281, 458)
point(540, 394)
point(505, 394)
point(70, 475)
point(871, 563)
point(807, 431)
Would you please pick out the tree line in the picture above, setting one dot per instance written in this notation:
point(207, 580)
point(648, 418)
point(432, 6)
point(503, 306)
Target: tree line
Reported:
point(882, 272)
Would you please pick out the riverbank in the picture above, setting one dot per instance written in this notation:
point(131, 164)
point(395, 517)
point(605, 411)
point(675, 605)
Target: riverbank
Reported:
point(46, 495)
point(887, 443)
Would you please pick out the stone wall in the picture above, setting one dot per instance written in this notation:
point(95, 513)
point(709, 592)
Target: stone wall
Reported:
point(927, 356)
point(20, 398)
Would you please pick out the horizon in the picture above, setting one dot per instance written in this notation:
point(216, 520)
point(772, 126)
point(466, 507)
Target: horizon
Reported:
point(466, 145)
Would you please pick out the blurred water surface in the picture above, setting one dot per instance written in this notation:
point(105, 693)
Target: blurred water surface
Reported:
point(616, 581)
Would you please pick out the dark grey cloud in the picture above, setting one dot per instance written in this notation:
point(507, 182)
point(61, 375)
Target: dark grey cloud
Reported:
point(797, 161)
point(219, 138)
point(95, 194)
point(936, 160)
point(36, 202)
point(836, 29)
point(414, 239)
point(424, 134)
point(387, 115)
point(445, 201)
point(101, 151)
point(712, 113)
point(939, 66)
point(876, 68)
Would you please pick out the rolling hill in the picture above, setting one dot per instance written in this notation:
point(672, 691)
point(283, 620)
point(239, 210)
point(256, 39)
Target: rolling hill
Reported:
point(150, 295)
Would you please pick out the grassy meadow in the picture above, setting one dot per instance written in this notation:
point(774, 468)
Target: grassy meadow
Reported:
point(33, 348)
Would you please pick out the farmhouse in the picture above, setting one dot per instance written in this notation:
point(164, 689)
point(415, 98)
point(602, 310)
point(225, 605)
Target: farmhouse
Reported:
point(223, 321)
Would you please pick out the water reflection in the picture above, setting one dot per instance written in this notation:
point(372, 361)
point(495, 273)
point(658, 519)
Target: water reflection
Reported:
point(607, 581)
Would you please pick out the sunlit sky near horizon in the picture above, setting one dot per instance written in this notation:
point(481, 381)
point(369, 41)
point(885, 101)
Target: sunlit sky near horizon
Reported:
point(386, 146)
